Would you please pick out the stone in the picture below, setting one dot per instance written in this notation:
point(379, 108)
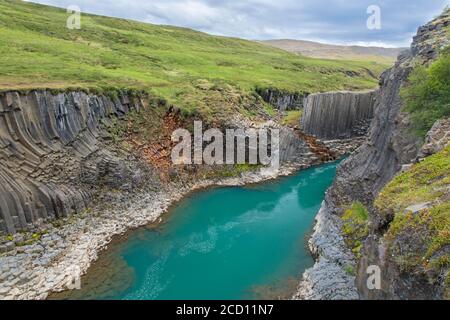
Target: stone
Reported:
point(436, 139)
point(282, 100)
point(10, 246)
point(406, 167)
point(416, 208)
point(49, 156)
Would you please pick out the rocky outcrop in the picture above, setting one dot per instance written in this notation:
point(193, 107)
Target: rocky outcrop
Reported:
point(52, 154)
point(437, 138)
point(282, 100)
point(338, 115)
point(360, 178)
point(329, 279)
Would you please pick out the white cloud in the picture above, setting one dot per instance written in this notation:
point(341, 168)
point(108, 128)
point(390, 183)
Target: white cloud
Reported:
point(331, 21)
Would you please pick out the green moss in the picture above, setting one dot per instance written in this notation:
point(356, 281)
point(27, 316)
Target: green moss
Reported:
point(424, 182)
point(427, 233)
point(355, 226)
point(230, 171)
point(418, 242)
point(31, 238)
point(350, 270)
point(292, 118)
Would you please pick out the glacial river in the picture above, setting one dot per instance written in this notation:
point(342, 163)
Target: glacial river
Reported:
point(220, 243)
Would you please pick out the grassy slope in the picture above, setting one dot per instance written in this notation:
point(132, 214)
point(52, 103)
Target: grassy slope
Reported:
point(38, 51)
point(419, 242)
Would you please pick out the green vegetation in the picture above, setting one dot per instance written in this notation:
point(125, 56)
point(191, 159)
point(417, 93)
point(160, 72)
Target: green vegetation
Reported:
point(427, 95)
point(419, 242)
point(425, 182)
point(193, 70)
point(350, 270)
point(355, 226)
point(292, 118)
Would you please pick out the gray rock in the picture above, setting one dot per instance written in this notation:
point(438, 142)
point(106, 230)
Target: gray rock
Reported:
point(338, 115)
point(418, 207)
point(44, 142)
point(437, 138)
point(282, 100)
point(10, 246)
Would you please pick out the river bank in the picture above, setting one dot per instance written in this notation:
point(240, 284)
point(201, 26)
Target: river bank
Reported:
point(212, 236)
point(65, 253)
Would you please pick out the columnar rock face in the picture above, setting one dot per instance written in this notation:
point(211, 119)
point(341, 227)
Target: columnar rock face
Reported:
point(50, 154)
point(338, 115)
point(55, 154)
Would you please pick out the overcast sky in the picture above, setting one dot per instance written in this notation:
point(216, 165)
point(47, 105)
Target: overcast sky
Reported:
point(329, 21)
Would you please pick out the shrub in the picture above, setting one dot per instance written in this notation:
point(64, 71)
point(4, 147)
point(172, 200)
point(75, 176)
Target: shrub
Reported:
point(427, 95)
point(356, 226)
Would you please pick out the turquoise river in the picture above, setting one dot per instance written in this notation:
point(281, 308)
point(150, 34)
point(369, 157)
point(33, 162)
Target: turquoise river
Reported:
point(220, 243)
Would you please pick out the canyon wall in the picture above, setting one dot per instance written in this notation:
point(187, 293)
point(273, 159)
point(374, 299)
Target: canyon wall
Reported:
point(337, 273)
point(338, 115)
point(57, 154)
point(52, 154)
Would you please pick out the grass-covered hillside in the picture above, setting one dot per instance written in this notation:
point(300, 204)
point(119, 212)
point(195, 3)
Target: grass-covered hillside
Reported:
point(177, 64)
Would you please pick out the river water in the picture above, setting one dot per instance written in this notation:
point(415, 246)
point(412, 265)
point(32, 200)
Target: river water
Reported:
point(221, 243)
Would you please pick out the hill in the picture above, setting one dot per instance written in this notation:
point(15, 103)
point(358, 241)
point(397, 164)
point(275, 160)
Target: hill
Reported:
point(182, 66)
point(327, 51)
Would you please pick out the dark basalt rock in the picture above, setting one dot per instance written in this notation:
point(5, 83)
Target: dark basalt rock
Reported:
point(53, 156)
point(338, 115)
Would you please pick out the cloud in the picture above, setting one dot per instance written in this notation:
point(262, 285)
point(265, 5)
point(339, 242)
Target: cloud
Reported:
point(331, 21)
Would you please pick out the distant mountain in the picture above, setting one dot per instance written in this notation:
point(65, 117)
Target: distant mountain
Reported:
point(327, 51)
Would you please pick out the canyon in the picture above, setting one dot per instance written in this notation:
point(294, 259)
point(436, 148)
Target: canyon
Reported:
point(390, 147)
point(82, 167)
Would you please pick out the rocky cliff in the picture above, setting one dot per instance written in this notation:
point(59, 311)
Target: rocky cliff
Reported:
point(76, 171)
point(53, 155)
point(336, 274)
point(57, 153)
point(338, 115)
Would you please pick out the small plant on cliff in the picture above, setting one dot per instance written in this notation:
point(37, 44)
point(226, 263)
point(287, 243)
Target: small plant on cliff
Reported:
point(292, 118)
point(356, 226)
point(427, 95)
